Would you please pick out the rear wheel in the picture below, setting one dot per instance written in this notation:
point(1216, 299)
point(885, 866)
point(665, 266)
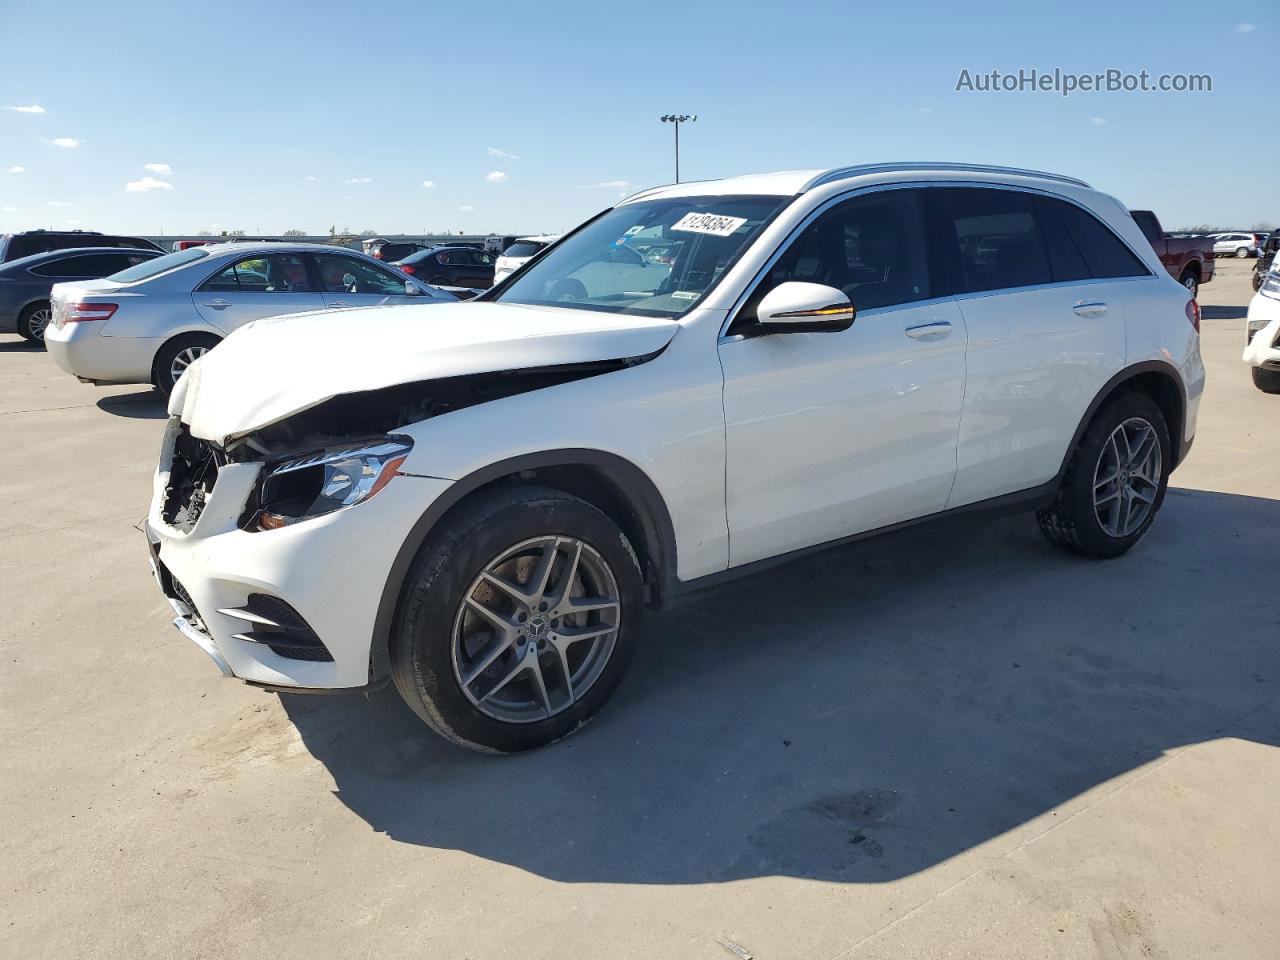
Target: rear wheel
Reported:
point(1191, 280)
point(1115, 481)
point(517, 620)
point(34, 320)
point(175, 356)
point(1242, 252)
point(1268, 381)
point(439, 281)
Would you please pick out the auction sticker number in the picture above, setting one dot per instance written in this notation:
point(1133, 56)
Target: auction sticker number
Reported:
point(712, 223)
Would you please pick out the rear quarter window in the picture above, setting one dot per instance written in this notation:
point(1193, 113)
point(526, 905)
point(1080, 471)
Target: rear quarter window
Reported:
point(1104, 252)
point(522, 249)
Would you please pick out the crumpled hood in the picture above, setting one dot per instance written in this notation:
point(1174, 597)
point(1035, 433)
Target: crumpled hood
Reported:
point(271, 369)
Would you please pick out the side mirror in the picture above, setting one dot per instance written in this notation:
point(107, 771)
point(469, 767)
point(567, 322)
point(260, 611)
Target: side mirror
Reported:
point(797, 307)
point(411, 290)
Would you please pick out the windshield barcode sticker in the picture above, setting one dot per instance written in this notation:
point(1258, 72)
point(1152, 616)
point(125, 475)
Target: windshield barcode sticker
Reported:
point(685, 294)
point(712, 223)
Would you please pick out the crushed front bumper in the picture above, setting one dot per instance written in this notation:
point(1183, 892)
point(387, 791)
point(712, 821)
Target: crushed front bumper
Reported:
point(329, 571)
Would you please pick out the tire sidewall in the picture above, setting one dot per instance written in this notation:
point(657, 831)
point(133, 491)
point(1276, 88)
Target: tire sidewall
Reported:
point(446, 567)
point(164, 358)
point(24, 323)
point(1079, 492)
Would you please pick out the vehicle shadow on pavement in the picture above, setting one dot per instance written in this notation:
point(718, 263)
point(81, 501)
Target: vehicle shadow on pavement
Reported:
point(20, 346)
point(143, 405)
point(858, 716)
point(1213, 312)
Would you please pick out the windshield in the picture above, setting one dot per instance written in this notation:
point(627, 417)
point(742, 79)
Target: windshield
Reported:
point(654, 257)
point(153, 268)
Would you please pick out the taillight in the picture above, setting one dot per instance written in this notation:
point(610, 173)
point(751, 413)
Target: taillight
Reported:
point(377, 255)
point(1193, 314)
point(78, 312)
point(407, 269)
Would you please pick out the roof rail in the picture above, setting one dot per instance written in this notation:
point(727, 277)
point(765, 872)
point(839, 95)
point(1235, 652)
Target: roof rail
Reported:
point(844, 173)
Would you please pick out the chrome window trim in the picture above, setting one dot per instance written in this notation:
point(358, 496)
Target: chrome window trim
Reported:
point(827, 204)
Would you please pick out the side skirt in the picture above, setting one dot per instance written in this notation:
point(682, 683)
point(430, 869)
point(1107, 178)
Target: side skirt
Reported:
point(1034, 498)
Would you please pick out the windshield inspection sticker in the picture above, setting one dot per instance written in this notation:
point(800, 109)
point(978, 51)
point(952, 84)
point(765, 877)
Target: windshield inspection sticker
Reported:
point(685, 294)
point(712, 223)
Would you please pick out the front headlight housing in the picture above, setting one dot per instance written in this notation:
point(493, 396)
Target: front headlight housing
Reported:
point(327, 480)
point(1271, 285)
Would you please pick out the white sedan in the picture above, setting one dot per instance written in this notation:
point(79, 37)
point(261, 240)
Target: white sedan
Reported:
point(148, 323)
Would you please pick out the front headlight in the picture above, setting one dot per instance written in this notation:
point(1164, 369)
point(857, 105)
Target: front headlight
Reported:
point(327, 480)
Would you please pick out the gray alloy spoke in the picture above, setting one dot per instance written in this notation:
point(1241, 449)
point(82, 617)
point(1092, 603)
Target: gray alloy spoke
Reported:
point(1110, 478)
point(1127, 478)
point(1143, 452)
point(514, 614)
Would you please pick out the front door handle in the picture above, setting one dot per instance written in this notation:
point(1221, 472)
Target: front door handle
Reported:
point(339, 303)
point(930, 331)
point(218, 304)
point(1090, 308)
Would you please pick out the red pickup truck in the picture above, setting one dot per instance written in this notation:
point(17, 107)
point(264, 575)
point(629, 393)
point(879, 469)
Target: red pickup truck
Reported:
point(1188, 259)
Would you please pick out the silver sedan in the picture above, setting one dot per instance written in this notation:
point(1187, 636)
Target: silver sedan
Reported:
point(148, 323)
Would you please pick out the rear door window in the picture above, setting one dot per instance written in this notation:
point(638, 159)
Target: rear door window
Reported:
point(348, 275)
point(277, 273)
point(1104, 252)
point(999, 239)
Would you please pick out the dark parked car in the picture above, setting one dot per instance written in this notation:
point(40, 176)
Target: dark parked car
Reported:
point(1266, 257)
point(15, 246)
point(390, 251)
point(454, 266)
point(25, 283)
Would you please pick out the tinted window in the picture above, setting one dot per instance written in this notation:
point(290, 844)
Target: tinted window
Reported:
point(26, 245)
point(523, 248)
point(871, 247)
point(1103, 251)
point(999, 239)
point(349, 275)
point(1065, 259)
point(136, 242)
point(277, 273)
point(153, 268)
point(89, 265)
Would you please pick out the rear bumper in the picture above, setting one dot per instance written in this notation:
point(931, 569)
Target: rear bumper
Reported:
point(80, 350)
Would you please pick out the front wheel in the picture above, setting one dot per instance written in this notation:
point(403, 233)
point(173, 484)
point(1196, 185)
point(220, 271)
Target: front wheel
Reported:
point(1115, 481)
point(517, 620)
point(1242, 252)
point(1268, 381)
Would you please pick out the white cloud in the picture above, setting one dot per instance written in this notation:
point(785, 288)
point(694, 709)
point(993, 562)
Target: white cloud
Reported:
point(495, 152)
point(606, 185)
point(924, 109)
point(429, 184)
point(1098, 121)
point(70, 142)
point(33, 108)
point(495, 176)
point(161, 168)
point(59, 203)
point(8, 209)
point(310, 179)
point(466, 208)
point(17, 169)
point(146, 185)
point(360, 180)
point(1246, 27)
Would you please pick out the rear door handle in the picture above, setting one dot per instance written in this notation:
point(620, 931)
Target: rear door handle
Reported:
point(218, 304)
point(930, 331)
point(1090, 308)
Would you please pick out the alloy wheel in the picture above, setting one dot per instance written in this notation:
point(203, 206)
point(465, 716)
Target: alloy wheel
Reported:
point(38, 321)
point(183, 359)
point(535, 629)
point(1126, 478)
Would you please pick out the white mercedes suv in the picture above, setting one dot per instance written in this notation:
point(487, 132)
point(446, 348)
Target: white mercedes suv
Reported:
point(478, 500)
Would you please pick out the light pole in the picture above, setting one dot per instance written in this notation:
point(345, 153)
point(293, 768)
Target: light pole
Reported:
point(677, 119)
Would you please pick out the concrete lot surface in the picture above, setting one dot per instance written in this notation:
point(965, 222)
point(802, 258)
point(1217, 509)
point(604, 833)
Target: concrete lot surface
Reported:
point(954, 742)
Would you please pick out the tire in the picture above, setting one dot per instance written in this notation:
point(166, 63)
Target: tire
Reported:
point(501, 709)
point(1257, 281)
point(1268, 381)
point(33, 320)
point(1073, 521)
point(1242, 252)
point(170, 356)
point(1191, 280)
point(439, 282)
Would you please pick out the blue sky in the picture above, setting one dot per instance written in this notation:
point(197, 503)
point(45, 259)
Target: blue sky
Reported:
point(528, 117)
